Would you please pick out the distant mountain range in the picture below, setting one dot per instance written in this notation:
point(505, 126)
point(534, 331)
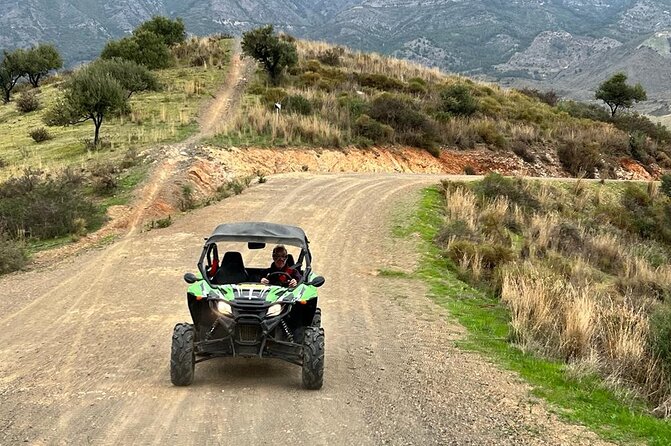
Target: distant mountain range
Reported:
point(566, 45)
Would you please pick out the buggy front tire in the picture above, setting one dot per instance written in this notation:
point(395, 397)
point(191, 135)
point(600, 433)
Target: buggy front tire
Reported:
point(313, 358)
point(317, 318)
point(182, 358)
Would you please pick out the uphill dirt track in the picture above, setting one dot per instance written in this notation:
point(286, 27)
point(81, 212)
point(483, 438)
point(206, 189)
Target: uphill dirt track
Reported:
point(85, 342)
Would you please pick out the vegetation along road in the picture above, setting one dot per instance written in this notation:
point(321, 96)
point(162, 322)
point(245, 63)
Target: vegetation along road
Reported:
point(85, 342)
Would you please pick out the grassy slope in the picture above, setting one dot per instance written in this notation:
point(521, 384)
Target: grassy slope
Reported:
point(585, 401)
point(157, 118)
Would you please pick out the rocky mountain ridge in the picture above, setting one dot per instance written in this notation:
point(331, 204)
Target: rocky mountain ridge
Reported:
point(540, 43)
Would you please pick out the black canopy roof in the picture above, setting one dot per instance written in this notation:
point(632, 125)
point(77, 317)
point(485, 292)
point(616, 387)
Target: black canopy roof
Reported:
point(259, 232)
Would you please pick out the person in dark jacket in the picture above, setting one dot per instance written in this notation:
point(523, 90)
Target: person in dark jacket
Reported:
point(291, 277)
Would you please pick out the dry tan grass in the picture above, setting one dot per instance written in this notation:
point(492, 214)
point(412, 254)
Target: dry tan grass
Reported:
point(372, 63)
point(285, 128)
point(461, 204)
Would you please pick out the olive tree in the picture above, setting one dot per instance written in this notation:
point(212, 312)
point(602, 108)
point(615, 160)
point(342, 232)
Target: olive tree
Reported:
point(11, 70)
point(89, 95)
point(617, 94)
point(38, 61)
point(171, 32)
point(143, 47)
point(272, 52)
point(132, 76)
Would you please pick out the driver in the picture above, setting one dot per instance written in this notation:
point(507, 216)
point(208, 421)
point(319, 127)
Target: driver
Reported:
point(279, 265)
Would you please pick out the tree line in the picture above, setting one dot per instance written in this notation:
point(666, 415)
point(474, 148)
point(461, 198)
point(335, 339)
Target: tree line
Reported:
point(124, 67)
point(33, 63)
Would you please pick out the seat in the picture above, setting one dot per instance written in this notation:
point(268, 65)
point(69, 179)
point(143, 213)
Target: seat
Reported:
point(231, 269)
point(290, 260)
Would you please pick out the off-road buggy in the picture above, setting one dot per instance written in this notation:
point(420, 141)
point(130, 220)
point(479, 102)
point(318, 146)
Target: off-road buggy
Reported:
point(235, 315)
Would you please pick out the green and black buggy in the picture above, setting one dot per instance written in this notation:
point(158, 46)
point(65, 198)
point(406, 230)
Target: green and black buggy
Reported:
point(235, 315)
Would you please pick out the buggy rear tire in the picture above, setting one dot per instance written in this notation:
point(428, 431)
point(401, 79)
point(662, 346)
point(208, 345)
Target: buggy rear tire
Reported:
point(182, 358)
point(317, 318)
point(313, 358)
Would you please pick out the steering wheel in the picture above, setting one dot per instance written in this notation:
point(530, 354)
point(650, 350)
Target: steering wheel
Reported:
point(275, 278)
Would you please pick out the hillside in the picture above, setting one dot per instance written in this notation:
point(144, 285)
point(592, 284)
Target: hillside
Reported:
point(340, 98)
point(489, 38)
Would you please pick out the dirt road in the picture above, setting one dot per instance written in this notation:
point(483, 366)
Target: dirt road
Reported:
point(85, 343)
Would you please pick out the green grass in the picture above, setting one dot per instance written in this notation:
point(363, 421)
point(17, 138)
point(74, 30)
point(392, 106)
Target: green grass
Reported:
point(394, 274)
point(127, 183)
point(160, 117)
point(584, 401)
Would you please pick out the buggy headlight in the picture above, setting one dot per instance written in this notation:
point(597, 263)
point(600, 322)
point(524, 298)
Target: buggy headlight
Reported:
point(274, 310)
point(224, 308)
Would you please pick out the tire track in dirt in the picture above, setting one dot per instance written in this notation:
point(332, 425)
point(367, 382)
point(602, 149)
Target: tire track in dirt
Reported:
point(392, 375)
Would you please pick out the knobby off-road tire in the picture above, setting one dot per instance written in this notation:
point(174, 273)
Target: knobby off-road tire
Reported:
point(182, 358)
point(313, 358)
point(317, 319)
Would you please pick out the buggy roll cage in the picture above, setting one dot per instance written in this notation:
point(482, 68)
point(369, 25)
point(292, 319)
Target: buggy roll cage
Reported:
point(254, 232)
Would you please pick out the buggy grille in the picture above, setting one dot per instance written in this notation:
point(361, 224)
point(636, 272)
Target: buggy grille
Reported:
point(248, 333)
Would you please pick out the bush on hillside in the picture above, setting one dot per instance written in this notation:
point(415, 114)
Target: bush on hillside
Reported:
point(40, 134)
point(355, 105)
point(331, 56)
point(375, 131)
point(43, 207)
point(27, 102)
point(660, 333)
point(584, 111)
point(579, 158)
point(666, 185)
point(202, 52)
point(411, 126)
point(633, 122)
point(380, 82)
point(297, 104)
point(13, 255)
point(550, 97)
point(495, 185)
point(104, 176)
point(274, 95)
point(458, 100)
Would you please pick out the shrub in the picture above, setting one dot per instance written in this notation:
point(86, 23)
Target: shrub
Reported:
point(27, 102)
point(417, 87)
point(375, 131)
point(489, 134)
point(202, 51)
point(297, 104)
point(495, 185)
point(458, 100)
point(469, 170)
point(274, 95)
point(633, 122)
point(104, 177)
point(43, 206)
point(549, 97)
point(331, 56)
point(187, 201)
point(40, 134)
point(411, 126)
point(380, 82)
point(354, 104)
point(666, 185)
point(491, 255)
point(578, 158)
point(660, 333)
point(522, 150)
point(456, 230)
point(13, 255)
point(130, 158)
point(585, 111)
